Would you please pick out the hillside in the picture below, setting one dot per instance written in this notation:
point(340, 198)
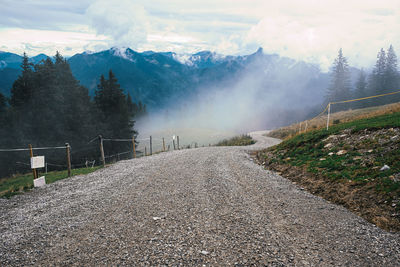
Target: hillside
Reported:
point(355, 164)
point(159, 79)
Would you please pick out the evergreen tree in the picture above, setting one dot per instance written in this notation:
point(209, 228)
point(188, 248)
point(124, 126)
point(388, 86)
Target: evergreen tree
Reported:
point(340, 86)
point(391, 76)
point(22, 89)
point(114, 112)
point(377, 78)
point(3, 104)
point(361, 89)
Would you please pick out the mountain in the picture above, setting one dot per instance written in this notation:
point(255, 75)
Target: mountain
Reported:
point(159, 79)
point(10, 69)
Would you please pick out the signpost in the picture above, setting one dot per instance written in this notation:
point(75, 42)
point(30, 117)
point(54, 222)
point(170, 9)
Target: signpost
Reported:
point(36, 163)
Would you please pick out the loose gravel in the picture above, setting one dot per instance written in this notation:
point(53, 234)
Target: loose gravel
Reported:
point(208, 206)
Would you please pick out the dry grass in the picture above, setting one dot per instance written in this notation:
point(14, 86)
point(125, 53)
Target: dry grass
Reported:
point(335, 118)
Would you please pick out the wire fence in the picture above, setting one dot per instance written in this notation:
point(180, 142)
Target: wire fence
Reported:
point(98, 151)
point(326, 114)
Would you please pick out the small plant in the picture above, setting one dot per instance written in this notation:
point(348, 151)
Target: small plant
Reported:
point(242, 140)
point(336, 121)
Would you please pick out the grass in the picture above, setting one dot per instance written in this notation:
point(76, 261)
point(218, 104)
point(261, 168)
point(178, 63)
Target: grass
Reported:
point(336, 118)
point(308, 149)
point(21, 183)
point(242, 140)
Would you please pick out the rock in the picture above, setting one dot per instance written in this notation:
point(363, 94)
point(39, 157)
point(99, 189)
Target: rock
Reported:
point(328, 145)
point(394, 137)
point(357, 158)
point(343, 135)
point(341, 152)
point(384, 168)
point(370, 151)
point(322, 159)
point(204, 252)
point(330, 153)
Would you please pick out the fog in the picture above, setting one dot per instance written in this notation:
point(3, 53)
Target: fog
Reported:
point(264, 95)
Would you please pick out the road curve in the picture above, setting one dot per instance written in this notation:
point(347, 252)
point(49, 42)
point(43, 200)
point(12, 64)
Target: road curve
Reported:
point(208, 206)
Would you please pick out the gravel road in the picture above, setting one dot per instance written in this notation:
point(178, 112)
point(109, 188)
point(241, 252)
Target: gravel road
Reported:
point(208, 206)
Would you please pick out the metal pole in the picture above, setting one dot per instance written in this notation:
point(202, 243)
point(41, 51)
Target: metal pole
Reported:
point(177, 138)
point(329, 113)
point(103, 160)
point(68, 159)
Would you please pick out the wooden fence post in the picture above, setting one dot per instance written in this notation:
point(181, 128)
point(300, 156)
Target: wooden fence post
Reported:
point(177, 138)
point(31, 154)
point(133, 147)
point(68, 158)
point(151, 145)
point(329, 113)
point(103, 160)
point(163, 144)
point(145, 151)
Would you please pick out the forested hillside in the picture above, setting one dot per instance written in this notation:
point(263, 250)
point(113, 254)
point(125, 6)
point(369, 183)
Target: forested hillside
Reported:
point(49, 107)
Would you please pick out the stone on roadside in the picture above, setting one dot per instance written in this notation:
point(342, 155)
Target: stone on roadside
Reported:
point(341, 152)
point(384, 168)
point(328, 145)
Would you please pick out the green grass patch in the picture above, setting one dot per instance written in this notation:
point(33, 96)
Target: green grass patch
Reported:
point(20, 183)
point(308, 150)
point(242, 140)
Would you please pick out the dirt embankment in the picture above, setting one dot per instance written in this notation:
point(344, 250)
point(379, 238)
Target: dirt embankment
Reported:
point(361, 154)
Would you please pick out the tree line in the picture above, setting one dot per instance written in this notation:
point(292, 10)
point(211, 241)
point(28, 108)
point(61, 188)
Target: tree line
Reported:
point(384, 78)
point(48, 107)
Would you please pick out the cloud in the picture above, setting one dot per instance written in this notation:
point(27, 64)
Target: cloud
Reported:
point(309, 30)
point(125, 22)
point(317, 32)
point(43, 41)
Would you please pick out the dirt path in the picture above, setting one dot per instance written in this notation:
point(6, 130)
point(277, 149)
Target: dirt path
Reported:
point(206, 206)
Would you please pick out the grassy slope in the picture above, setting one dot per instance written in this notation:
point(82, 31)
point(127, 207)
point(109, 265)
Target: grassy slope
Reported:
point(242, 140)
point(368, 144)
point(18, 184)
point(337, 117)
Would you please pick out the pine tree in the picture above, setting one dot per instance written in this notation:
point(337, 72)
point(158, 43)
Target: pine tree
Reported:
point(3, 104)
point(22, 88)
point(361, 89)
point(114, 112)
point(377, 78)
point(340, 80)
point(391, 76)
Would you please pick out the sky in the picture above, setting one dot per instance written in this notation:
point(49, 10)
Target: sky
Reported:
point(308, 30)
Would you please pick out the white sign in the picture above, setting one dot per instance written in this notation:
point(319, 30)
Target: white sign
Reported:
point(41, 181)
point(173, 137)
point(37, 162)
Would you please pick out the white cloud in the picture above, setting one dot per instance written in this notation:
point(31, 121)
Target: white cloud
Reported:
point(34, 42)
point(310, 30)
point(317, 32)
point(125, 22)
